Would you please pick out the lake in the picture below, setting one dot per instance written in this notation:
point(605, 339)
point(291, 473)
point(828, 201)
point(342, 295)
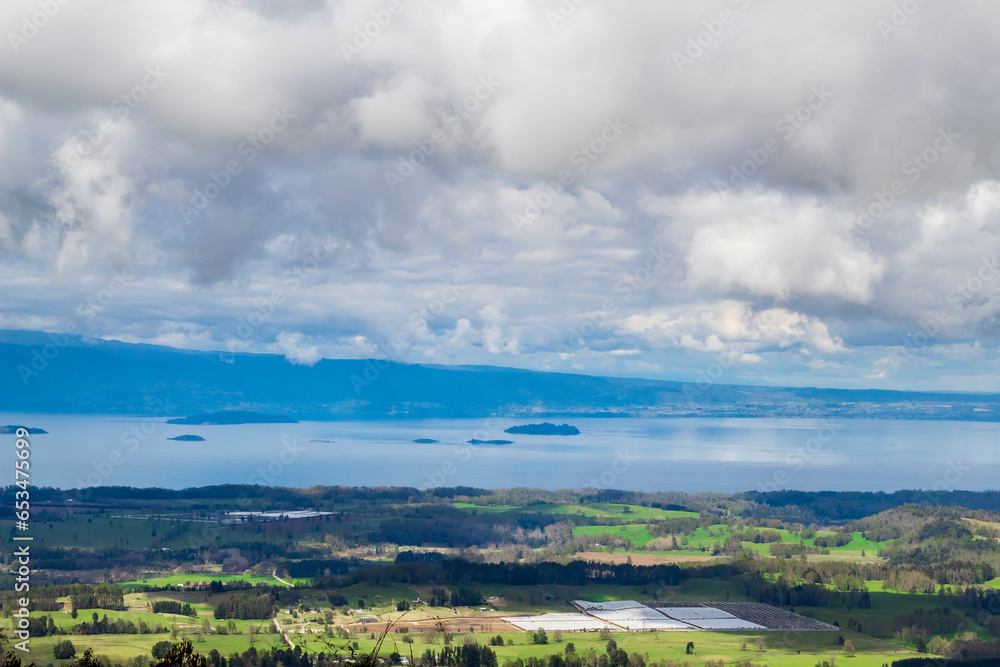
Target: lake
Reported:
point(679, 454)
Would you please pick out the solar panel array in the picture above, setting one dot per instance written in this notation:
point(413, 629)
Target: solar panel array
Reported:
point(557, 622)
point(637, 616)
point(709, 618)
point(773, 618)
point(640, 618)
point(685, 613)
point(614, 605)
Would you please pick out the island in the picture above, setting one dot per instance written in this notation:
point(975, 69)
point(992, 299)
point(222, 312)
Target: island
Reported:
point(229, 417)
point(11, 429)
point(188, 438)
point(320, 440)
point(474, 441)
point(544, 428)
point(425, 441)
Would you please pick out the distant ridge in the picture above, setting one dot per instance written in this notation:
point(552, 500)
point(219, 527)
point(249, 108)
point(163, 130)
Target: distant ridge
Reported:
point(229, 417)
point(110, 377)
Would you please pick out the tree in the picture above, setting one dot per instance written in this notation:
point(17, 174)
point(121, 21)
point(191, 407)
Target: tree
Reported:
point(761, 644)
point(539, 637)
point(161, 649)
point(939, 646)
point(64, 650)
point(690, 648)
point(849, 648)
point(182, 655)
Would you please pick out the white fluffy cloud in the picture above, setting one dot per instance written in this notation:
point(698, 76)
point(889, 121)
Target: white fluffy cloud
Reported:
point(773, 244)
point(731, 328)
point(290, 344)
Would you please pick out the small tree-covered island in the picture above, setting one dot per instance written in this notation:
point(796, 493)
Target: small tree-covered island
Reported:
point(545, 428)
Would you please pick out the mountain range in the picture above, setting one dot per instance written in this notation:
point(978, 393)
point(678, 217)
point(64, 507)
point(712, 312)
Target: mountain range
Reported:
point(46, 373)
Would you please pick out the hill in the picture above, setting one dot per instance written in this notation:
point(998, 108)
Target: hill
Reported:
point(109, 377)
point(224, 417)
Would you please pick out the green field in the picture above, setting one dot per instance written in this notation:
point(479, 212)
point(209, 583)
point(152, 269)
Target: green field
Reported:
point(201, 577)
point(637, 534)
point(590, 510)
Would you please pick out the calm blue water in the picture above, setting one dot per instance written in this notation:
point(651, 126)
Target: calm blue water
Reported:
point(644, 454)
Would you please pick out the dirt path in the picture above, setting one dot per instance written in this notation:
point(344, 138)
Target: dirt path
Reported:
point(274, 573)
point(281, 631)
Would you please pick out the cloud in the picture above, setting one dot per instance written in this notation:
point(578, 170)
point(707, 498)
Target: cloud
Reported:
point(290, 344)
point(731, 328)
point(771, 244)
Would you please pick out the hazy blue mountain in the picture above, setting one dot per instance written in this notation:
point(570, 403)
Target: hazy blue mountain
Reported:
point(86, 376)
point(223, 417)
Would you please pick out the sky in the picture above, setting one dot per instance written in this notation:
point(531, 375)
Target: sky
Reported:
point(753, 191)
